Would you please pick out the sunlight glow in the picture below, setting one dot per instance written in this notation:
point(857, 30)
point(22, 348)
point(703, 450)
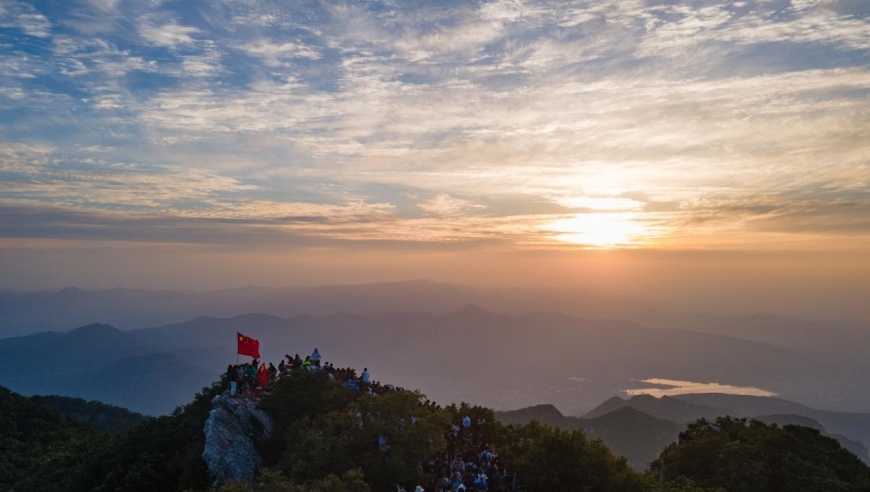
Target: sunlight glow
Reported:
point(601, 203)
point(599, 230)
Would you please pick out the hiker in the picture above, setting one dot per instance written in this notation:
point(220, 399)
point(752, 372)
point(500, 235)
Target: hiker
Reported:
point(315, 357)
point(272, 372)
point(365, 378)
point(485, 458)
point(458, 466)
point(456, 481)
point(480, 481)
point(306, 364)
point(233, 378)
point(443, 484)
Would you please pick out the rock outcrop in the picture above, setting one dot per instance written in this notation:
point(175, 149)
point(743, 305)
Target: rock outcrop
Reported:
point(231, 431)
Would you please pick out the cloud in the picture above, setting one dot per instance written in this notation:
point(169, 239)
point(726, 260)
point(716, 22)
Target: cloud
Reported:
point(25, 17)
point(104, 5)
point(803, 22)
point(169, 35)
point(274, 54)
point(529, 124)
point(75, 58)
point(444, 204)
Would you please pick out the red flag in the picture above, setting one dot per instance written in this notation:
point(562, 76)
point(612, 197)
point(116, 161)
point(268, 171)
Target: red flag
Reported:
point(248, 346)
point(262, 376)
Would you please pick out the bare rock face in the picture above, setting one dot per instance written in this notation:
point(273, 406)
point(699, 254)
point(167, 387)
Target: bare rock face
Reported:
point(232, 428)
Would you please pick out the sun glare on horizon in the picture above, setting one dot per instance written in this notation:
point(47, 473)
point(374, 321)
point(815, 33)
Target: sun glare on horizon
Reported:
point(600, 230)
point(369, 133)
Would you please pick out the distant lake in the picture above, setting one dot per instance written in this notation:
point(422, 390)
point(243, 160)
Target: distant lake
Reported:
point(672, 387)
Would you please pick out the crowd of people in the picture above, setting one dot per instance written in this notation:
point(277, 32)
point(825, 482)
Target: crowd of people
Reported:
point(468, 465)
point(470, 471)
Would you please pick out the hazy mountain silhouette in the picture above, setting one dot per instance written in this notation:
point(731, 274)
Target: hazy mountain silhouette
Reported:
point(544, 413)
point(855, 425)
point(853, 429)
point(631, 433)
point(640, 437)
point(437, 351)
point(23, 313)
point(469, 354)
point(666, 407)
point(839, 343)
point(153, 383)
point(101, 363)
point(627, 432)
point(823, 360)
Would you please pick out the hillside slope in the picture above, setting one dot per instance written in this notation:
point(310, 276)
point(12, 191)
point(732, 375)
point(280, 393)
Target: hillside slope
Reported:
point(328, 437)
point(625, 431)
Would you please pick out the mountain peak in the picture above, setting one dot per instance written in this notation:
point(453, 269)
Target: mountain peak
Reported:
point(470, 311)
point(69, 292)
point(608, 406)
point(629, 412)
point(543, 409)
point(94, 329)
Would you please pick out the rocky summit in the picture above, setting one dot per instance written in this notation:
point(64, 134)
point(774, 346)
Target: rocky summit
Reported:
point(234, 426)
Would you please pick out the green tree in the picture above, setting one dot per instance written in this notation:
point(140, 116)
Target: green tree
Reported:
point(553, 460)
point(739, 455)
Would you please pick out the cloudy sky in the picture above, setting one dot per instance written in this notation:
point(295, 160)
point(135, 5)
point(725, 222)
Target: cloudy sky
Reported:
point(235, 142)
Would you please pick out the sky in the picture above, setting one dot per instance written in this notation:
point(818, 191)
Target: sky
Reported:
point(659, 147)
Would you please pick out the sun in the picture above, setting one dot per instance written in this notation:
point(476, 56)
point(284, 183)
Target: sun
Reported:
point(599, 230)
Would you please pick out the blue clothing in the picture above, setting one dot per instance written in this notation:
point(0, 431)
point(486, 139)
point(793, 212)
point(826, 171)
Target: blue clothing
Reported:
point(352, 385)
point(365, 377)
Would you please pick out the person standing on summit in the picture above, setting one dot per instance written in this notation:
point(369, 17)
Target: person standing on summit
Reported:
point(315, 358)
point(233, 378)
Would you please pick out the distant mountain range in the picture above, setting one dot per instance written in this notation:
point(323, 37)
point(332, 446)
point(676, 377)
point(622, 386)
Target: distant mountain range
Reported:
point(470, 354)
point(638, 428)
point(29, 312)
point(831, 353)
point(690, 407)
point(627, 432)
point(23, 313)
point(99, 362)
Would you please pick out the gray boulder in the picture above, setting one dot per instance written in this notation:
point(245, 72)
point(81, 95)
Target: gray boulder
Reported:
point(232, 428)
